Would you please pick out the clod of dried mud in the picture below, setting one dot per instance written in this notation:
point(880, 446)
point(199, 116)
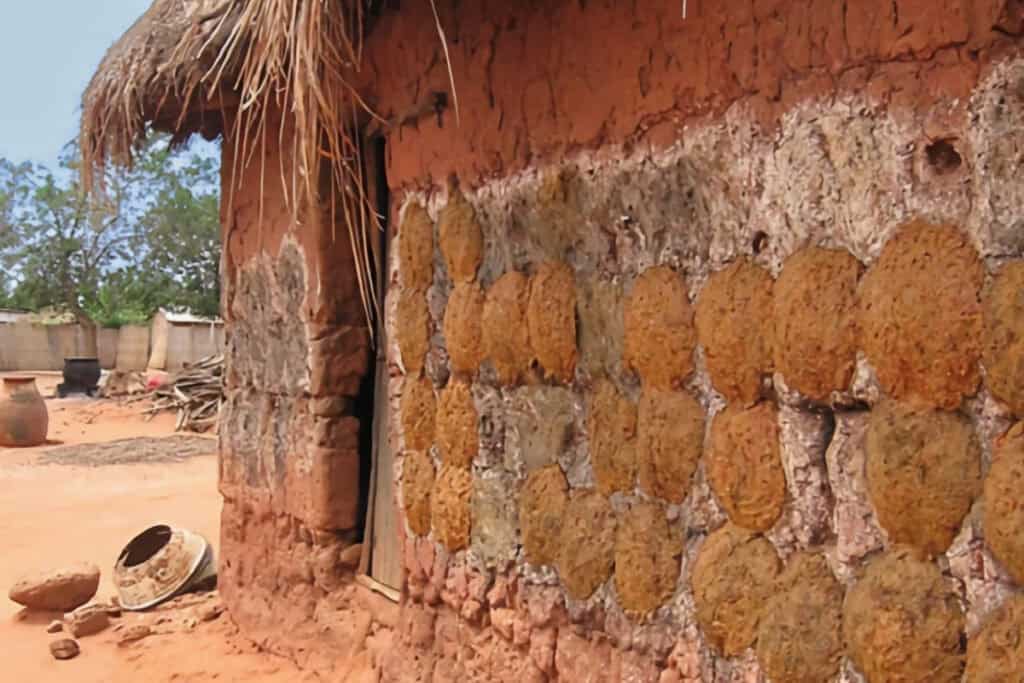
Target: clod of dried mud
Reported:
point(670, 439)
point(462, 328)
point(744, 465)
point(815, 321)
point(450, 507)
point(800, 635)
point(419, 408)
point(902, 622)
point(541, 509)
point(1004, 513)
point(647, 554)
point(586, 544)
point(417, 485)
point(732, 578)
point(734, 325)
point(919, 315)
point(551, 320)
point(416, 249)
point(611, 423)
point(923, 471)
point(996, 653)
point(659, 332)
point(456, 425)
point(412, 329)
point(506, 338)
point(1003, 341)
point(461, 239)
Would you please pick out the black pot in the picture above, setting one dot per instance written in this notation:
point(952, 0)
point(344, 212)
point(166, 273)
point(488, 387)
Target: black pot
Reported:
point(81, 375)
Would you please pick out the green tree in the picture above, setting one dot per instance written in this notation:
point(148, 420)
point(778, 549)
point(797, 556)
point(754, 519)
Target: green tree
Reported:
point(151, 240)
point(60, 242)
point(181, 230)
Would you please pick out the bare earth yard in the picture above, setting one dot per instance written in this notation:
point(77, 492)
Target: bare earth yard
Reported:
point(62, 505)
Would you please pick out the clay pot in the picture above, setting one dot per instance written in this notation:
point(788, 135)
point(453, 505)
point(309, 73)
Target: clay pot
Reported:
point(23, 417)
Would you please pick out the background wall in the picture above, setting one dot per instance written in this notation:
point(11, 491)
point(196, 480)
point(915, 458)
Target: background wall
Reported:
point(24, 346)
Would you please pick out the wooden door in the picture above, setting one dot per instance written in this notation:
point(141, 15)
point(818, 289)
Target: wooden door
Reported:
point(382, 531)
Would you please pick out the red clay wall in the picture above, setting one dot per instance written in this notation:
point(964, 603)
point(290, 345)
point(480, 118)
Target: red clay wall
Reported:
point(539, 80)
point(700, 154)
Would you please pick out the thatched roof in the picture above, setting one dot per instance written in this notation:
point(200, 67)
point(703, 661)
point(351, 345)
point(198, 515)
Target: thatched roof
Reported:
point(191, 66)
point(150, 76)
point(185, 62)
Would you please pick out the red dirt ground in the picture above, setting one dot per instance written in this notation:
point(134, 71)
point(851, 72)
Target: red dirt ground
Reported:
point(52, 515)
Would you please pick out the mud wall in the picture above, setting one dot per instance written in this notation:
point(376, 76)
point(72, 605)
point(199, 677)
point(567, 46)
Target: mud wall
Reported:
point(537, 81)
point(296, 352)
point(727, 411)
point(710, 302)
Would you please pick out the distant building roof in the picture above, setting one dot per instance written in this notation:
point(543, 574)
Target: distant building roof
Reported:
point(189, 319)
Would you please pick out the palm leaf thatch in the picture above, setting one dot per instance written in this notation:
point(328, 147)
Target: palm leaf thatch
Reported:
point(189, 66)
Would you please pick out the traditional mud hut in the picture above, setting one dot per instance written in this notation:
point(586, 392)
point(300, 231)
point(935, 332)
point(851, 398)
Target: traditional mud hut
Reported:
point(697, 329)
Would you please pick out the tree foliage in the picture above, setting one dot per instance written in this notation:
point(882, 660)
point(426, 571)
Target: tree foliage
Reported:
point(151, 240)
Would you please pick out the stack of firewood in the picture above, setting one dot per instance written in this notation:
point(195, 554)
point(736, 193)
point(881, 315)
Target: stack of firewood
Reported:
point(195, 392)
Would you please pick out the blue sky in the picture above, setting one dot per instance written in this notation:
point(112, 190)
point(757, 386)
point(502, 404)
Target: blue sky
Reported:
point(48, 53)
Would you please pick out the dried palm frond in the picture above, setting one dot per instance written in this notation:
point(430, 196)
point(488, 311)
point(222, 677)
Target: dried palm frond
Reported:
point(183, 65)
point(293, 57)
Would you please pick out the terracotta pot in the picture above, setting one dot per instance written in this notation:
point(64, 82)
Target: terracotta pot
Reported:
point(23, 417)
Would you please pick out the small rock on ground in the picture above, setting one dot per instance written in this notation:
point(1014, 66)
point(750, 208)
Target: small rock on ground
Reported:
point(87, 621)
point(210, 612)
point(60, 590)
point(134, 633)
point(55, 627)
point(64, 648)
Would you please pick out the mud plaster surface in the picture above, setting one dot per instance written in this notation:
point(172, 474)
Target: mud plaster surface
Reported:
point(1003, 341)
point(647, 551)
point(800, 634)
point(923, 472)
point(542, 504)
point(659, 333)
point(506, 338)
point(417, 486)
point(732, 578)
point(412, 329)
point(744, 465)
point(462, 328)
point(450, 507)
point(996, 653)
point(611, 424)
point(551, 319)
point(586, 544)
point(419, 408)
point(902, 622)
point(416, 248)
point(1004, 510)
point(815, 321)
point(920, 315)
point(456, 425)
point(670, 440)
point(734, 325)
point(460, 239)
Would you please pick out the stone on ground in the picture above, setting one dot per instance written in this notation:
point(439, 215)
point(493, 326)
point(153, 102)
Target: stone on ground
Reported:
point(60, 590)
point(65, 648)
point(134, 633)
point(87, 621)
